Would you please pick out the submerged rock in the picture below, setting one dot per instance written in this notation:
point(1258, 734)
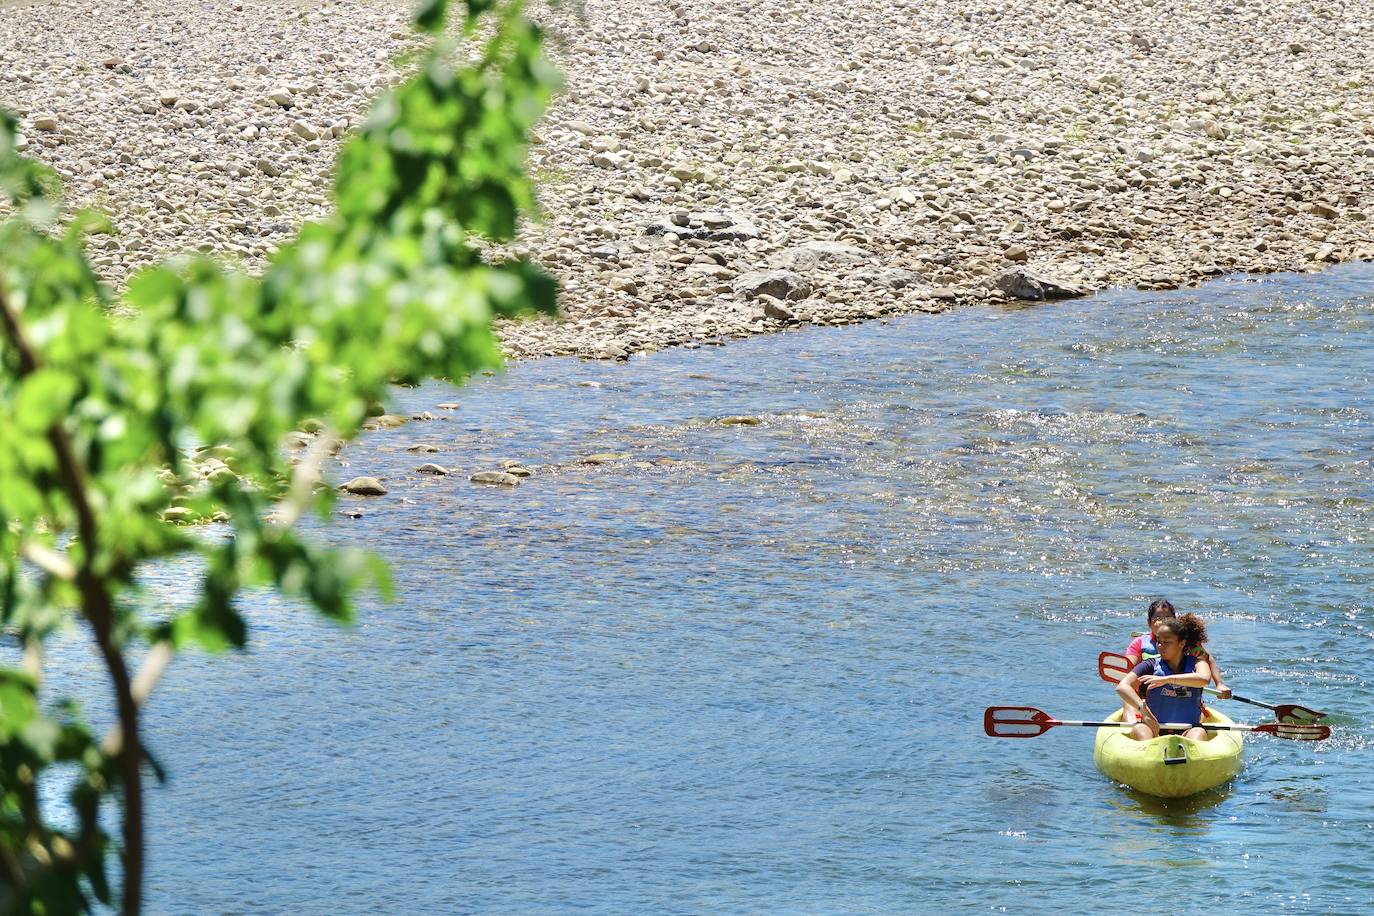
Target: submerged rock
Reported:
point(385, 421)
point(364, 486)
point(495, 479)
point(602, 458)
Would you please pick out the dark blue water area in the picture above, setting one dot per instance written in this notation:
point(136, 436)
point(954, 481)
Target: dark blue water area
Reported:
point(742, 668)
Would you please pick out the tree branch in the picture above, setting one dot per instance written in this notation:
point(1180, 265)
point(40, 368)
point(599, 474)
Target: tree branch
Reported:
point(98, 609)
point(159, 657)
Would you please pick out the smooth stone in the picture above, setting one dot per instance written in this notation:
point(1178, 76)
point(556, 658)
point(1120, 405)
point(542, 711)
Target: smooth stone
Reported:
point(611, 350)
point(495, 479)
point(602, 458)
point(774, 309)
point(386, 421)
point(738, 421)
point(364, 486)
point(432, 469)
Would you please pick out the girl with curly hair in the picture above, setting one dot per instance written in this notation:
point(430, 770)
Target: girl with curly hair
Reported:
point(1172, 682)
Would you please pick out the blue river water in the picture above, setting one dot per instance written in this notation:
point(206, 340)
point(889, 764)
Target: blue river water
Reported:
point(742, 668)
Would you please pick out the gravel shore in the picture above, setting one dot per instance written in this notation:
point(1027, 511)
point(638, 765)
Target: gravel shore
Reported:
point(716, 168)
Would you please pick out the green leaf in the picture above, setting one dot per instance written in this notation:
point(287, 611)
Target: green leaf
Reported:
point(44, 397)
point(18, 708)
point(430, 15)
point(476, 8)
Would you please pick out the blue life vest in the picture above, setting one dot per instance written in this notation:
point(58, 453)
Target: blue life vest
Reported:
point(1173, 702)
point(1148, 650)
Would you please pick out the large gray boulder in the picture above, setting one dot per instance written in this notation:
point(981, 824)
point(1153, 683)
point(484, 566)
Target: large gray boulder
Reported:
point(780, 284)
point(890, 277)
point(1020, 284)
point(823, 254)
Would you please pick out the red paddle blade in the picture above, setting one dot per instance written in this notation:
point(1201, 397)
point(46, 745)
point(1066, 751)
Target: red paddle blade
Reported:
point(1295, 732)
point(1016, 722)
point(1112, 667)
point(1292, 714)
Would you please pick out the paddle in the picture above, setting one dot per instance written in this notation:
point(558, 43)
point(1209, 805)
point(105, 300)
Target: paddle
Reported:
point(1112, 667)
point(1029, 722)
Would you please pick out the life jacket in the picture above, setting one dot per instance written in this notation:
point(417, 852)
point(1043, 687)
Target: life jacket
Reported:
point(1173, 702)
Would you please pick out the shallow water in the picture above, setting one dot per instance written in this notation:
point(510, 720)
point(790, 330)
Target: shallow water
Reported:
point(753, 679)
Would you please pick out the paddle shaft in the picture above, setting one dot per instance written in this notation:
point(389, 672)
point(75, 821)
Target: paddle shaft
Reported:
point(1170, 726)
point(1029, 722)
point(1277, 729)
point(1236, 696)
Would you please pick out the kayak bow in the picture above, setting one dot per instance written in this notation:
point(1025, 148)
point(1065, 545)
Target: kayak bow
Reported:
point(1169, 766)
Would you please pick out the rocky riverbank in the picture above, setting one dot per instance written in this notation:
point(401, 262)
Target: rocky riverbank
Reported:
point(716, 169)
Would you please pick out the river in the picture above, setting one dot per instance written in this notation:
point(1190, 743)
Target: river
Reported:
point(743, 668)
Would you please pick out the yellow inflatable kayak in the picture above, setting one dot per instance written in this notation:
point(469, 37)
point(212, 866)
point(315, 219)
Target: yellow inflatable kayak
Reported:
point(1169, 766)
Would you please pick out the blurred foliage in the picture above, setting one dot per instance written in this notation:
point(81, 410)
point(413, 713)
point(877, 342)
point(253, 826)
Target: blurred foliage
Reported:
point(101, 415)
